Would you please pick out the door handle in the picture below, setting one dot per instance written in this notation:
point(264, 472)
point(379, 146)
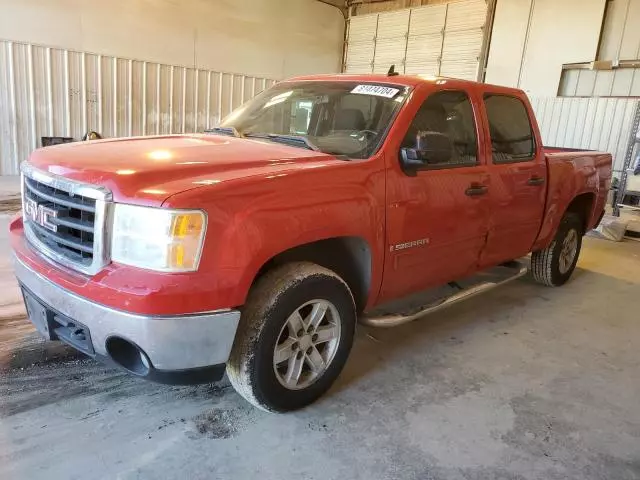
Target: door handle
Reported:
point(475, 189)
point(535, 181)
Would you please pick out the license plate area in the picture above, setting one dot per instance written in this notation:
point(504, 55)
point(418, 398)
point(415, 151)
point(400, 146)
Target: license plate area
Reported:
point(55, 326)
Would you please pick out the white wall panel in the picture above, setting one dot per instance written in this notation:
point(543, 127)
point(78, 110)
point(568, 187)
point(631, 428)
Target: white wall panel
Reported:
point(622, 80)
point(635, 84)
point(508, 38)
point(266, 38)
point(586, 83)
point(55, 92)
point(603, 84)
point(569, 83)
point(630, 45)
point(550, 44)
point(533, 39)
point(613, 29)
point(602, 124)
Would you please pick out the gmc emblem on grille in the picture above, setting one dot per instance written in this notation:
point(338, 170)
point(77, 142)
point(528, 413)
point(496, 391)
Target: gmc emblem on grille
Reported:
point(40, 214)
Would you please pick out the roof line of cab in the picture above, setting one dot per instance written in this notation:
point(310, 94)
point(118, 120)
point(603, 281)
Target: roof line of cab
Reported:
point(405, 80)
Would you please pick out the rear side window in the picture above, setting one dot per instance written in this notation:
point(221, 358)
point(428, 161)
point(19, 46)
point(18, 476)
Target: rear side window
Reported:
point(511, 134)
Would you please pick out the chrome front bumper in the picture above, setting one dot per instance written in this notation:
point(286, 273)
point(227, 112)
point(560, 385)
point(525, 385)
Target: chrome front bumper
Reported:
point(182, 342)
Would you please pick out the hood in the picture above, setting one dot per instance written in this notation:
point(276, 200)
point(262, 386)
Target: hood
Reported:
point(148, 170)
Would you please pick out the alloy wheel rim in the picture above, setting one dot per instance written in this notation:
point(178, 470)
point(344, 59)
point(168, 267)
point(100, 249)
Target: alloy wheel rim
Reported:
point(568, 251)
point(307, 344)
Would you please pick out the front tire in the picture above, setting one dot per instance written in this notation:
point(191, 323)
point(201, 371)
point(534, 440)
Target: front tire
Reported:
point(294, 337)
point(554, 265)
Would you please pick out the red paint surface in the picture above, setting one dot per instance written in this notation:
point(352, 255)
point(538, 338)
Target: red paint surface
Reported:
point(263, 198)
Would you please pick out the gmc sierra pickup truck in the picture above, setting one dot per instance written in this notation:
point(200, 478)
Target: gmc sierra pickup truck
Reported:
point(324, 201)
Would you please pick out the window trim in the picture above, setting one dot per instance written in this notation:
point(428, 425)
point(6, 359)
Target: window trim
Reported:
point(475, 116)
point(534, 154)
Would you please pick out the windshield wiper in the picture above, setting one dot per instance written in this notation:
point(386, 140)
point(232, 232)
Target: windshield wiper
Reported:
point(229, 131)
point(291, 140)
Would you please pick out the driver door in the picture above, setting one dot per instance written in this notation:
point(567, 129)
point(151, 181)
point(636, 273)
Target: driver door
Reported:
point(437, 219)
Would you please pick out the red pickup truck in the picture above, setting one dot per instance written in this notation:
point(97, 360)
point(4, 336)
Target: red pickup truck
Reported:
point(257, 246)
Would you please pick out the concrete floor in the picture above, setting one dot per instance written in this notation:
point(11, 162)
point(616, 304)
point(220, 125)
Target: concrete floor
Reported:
point(525, 382)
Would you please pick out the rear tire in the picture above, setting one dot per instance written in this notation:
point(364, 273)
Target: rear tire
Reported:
point(554, 265)
point(294, 337)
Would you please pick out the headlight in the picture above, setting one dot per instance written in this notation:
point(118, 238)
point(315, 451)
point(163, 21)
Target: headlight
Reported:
point(157, 239)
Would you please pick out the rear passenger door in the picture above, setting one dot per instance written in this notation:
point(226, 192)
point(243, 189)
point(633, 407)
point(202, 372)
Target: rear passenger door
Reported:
point(518, 179)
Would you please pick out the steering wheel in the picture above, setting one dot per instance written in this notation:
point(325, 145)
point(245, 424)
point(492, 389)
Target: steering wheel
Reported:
point(364, 133)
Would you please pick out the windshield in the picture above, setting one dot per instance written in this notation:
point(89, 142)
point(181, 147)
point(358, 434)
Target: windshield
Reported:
point(340, 118)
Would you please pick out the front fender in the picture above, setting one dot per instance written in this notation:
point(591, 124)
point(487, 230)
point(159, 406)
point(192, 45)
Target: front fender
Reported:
point(252, 220)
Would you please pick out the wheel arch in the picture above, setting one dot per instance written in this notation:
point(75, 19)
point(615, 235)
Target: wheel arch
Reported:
point(582, 205)
point(348, 256)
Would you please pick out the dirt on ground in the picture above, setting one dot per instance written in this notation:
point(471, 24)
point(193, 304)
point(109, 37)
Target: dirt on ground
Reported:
point(10, 204)
point(22, 346)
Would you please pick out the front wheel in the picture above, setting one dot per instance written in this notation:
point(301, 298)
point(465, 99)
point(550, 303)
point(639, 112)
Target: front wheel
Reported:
point(554, 265)
point(294, 337)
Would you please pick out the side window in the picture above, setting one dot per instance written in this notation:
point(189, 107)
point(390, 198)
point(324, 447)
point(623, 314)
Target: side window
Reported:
point(451, 114)
point(512, 139)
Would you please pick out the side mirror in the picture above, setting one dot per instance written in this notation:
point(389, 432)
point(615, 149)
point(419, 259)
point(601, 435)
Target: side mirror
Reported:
point(432, 148)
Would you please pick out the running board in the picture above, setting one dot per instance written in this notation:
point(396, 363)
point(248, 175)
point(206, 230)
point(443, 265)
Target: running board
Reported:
point(479, 283)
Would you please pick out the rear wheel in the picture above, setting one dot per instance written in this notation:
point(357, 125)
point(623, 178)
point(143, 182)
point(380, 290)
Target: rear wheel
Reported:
point(554, 265)
point(294, 337)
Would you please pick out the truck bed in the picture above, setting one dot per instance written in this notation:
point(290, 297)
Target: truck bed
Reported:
point(574, 174)
point(582, 160)
point(548, 149)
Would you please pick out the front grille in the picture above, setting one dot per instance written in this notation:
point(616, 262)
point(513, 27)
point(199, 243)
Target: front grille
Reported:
point(73, 220)
point(65, 219)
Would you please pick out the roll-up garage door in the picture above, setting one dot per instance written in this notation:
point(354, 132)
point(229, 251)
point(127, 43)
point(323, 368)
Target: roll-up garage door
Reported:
point(391, 40)
point(444, 39)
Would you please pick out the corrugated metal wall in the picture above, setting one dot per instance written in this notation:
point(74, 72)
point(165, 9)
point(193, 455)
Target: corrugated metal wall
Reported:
point(620, 82)
point(590, 123)
point(55, 92)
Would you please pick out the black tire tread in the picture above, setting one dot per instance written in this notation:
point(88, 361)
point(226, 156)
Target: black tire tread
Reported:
point(541, 265)
point(542, 260)
point(261, 299)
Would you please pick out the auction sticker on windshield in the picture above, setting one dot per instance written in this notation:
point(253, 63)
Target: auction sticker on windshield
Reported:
point(377, 90)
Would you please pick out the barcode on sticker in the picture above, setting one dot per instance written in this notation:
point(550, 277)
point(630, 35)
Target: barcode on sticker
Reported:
point(377, 90)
